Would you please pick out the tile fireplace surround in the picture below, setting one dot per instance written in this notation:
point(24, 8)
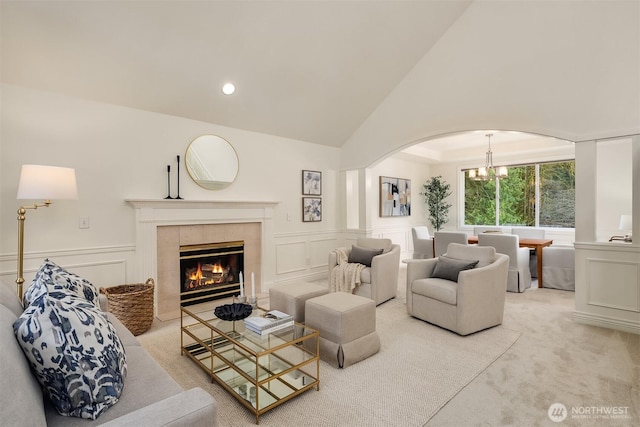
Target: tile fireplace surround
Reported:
point(163, 225)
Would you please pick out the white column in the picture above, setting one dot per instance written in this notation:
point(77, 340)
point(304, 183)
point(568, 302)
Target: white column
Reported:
point(586, 191)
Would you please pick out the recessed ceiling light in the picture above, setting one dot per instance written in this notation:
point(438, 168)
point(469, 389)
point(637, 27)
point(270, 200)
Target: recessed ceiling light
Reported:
point(228, 88)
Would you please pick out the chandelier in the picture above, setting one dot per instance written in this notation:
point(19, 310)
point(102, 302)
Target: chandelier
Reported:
point(488, 172)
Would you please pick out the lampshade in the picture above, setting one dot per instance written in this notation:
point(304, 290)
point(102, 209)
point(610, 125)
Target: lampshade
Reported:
point(47, 183)
point(626, 223)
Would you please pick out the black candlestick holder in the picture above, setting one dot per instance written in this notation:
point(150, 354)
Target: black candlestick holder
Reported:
point(178, 196)
point(168, 182)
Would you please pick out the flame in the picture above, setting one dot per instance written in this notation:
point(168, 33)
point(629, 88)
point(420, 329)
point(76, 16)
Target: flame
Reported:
point(198, 279)
point(195, 279)
point(197, 276)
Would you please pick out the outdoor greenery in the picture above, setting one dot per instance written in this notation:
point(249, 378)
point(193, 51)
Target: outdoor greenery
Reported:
point(517, 197)
point(436, 190)
point(557, 194)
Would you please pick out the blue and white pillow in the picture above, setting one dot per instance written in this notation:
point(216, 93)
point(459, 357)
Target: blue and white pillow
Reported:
point(74, 352)
point(53, 279)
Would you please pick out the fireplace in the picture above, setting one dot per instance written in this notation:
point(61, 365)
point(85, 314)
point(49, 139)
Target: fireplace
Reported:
point(210, 271)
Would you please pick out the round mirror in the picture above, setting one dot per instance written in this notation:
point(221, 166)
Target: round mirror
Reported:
point(211, 162)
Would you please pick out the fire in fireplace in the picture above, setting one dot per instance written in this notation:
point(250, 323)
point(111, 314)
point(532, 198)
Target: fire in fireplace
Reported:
point(210, 271)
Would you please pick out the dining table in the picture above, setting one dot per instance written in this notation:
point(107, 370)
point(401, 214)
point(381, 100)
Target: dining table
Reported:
point(536, 244)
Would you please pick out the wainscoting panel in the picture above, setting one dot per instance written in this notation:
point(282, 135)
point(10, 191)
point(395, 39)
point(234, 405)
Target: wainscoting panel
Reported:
point(102, 266)
point(290, 257)
point(319, 252)
point(608, 285)
point(303, 256)
point(613, 284)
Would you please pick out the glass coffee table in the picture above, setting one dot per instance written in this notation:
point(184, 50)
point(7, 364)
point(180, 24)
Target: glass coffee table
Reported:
point(261, 372)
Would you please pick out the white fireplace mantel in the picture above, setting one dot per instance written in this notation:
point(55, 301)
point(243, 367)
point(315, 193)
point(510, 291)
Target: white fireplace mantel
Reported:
point(151, 214)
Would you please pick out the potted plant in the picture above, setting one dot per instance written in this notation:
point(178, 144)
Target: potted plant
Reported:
point(436, 190)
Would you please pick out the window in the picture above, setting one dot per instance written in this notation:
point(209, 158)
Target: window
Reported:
point(540, 195)
point(557, 194)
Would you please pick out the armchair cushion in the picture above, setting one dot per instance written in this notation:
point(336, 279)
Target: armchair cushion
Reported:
point(441, 290)
point(363, 255)
point(449, 268)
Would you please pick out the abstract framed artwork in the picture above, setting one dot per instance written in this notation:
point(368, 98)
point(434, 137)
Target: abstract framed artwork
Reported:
point(395, 196)
point(311, 209)
point(311, 183)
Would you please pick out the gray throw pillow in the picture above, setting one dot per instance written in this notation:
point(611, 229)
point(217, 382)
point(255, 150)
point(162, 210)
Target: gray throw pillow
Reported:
point(449, 268)
point(363, 255)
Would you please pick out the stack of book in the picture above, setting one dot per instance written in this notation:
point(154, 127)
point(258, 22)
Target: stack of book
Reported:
point(271, 321)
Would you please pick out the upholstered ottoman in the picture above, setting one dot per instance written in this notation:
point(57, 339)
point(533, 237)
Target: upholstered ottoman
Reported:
point(290, 298)
point(347, 325)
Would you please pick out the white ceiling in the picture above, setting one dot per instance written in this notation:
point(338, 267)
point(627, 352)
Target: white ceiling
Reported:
point(472, 146)
point(306, 70)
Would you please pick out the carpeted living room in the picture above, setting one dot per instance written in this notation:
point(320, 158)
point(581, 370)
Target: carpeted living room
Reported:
point(275, 135)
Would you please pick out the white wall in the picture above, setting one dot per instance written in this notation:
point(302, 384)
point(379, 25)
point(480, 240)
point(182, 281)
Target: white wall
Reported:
point(568, 69)
point(607, 274)
point(398, 229)
point(121, 153)
point(614, 189)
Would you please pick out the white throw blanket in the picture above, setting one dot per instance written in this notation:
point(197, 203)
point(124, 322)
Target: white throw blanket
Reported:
point(345, 276)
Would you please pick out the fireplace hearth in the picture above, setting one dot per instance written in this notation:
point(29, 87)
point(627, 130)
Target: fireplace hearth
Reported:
point(210, 271)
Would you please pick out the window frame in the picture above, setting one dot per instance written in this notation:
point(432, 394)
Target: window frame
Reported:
point(462, 211)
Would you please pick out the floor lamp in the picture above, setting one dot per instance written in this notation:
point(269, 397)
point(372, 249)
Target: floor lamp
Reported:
point(41, 183)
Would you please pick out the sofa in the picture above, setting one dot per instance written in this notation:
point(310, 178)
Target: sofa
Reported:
point(149, 396)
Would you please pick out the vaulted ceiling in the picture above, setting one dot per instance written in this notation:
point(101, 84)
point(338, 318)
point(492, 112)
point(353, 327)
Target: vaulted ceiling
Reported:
point(306, 70)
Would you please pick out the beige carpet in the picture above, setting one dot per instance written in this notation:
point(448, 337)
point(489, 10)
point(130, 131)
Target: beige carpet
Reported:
point(419, 368)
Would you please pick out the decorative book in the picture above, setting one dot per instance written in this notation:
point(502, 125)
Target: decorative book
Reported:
point(269, 322)
point(267, 331)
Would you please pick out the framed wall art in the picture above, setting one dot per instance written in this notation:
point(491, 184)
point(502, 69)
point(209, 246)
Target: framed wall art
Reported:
point(311, 209)
point(395, 196)
point(311, 183)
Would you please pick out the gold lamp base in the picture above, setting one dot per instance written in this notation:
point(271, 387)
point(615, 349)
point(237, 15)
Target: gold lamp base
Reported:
point(21, 217)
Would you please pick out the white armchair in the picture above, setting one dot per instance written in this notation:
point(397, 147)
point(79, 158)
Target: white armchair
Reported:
point(422, 242)
point(379, 282)
point(519, 275)
point(443, 238)
point(473, 303)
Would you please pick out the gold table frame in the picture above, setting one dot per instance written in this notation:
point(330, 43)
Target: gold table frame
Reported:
point(278, 366)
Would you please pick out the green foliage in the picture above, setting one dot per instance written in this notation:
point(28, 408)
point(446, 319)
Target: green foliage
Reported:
point(557, 194)
point(436, 190)
point(480, 202)
point(517, 196)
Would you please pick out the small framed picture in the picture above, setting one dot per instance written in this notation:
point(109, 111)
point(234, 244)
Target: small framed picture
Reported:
point(311, 183)
point(311, 209)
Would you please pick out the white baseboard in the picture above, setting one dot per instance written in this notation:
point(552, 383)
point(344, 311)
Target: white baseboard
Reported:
point(607, 322)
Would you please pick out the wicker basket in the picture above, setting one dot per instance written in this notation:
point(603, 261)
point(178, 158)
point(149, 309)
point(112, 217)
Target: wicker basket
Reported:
point(132, 305)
